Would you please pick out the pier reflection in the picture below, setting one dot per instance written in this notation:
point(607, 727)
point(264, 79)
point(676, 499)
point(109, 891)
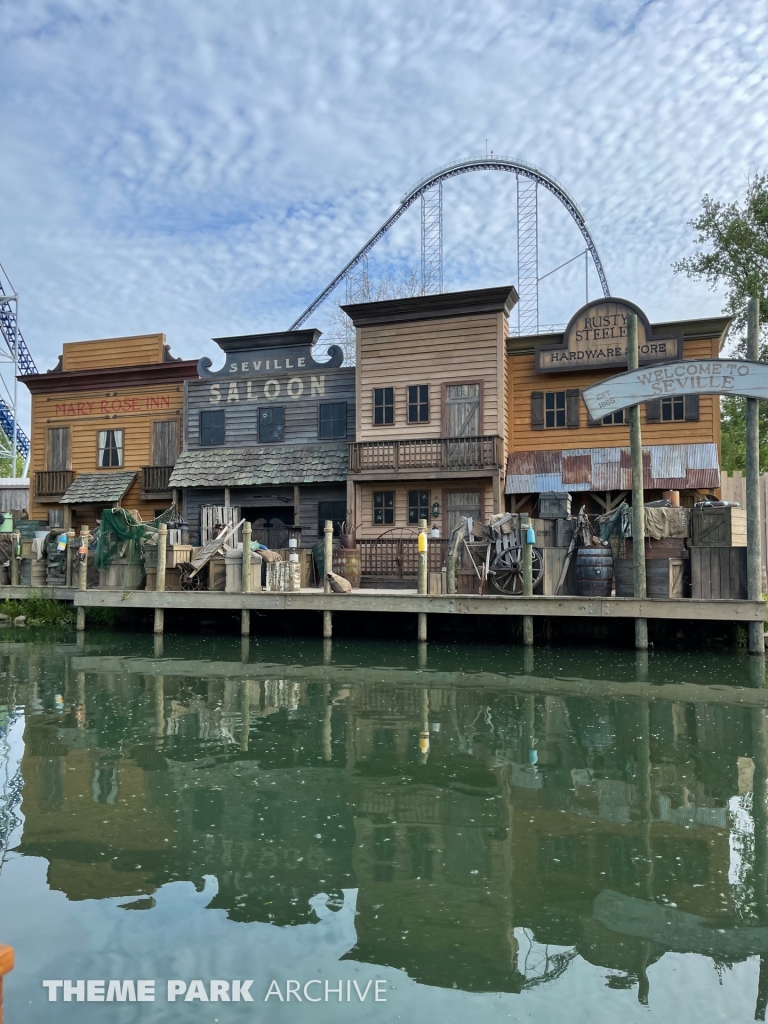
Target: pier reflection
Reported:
point(498, 827)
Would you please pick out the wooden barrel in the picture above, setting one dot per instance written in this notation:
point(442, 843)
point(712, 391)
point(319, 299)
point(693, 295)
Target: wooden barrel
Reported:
point(594, 572)
point(656, 577)
point(346, 562)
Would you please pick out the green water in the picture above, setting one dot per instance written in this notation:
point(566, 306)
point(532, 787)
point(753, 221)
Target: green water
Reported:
point(564, 835)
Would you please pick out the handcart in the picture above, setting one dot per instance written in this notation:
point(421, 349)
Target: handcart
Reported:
point(495, 552)
point(190, 577)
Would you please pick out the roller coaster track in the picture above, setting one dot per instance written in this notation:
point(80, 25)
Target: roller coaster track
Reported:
point(26, 364)
point(432, 234)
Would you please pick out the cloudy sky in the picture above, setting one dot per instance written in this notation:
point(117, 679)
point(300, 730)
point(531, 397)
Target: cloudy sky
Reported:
point(205, 169)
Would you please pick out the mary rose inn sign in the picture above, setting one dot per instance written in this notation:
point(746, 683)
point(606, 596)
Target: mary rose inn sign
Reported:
point(596, 337)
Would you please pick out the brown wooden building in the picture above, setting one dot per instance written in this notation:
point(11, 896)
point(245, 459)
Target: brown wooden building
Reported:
point(106, 429)
point(432, 406)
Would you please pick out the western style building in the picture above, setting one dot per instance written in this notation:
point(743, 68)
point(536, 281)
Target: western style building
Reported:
point(267, 435)
point(106, 429)
point(553, 443)
point(432, 407)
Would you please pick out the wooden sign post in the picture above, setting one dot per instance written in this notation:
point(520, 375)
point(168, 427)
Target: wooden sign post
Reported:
point(754, 560)
point(638, 503)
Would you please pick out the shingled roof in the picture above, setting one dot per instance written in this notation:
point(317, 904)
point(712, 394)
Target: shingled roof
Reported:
point(99, 488)
point(264, 465)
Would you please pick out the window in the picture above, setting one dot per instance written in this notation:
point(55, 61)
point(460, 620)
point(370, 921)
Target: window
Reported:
point(212, 427)
point(418, 506)
point(418, 403)
point(383, 406)
point(110, 448)
point(272, 424)
point(336, 511)
point(462, 410)
point(165, 442)
point(673, 409)
point(332, 420)
point(613, 418)
point(554, 409)
point(383, 508)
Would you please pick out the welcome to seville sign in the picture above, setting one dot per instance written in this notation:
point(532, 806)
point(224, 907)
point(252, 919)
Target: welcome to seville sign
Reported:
point(596, 337)
point(687, 376)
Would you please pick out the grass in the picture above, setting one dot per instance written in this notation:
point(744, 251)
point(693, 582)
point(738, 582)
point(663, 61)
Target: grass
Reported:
point(40, 611)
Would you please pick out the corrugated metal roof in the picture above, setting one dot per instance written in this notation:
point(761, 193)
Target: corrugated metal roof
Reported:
point(665, 467)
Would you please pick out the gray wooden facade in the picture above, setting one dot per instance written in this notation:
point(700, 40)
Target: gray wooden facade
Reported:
point(276, 445)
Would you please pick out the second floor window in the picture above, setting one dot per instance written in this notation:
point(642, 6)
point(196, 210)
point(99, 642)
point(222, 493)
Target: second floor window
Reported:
point(272, 423)
point(553, 409)
point(383, 406)
point(212, 426)
point(332, 420)
point(58, 448)
point(383, 508)
point(674, 409)
point(418, 403)
point(110, 449)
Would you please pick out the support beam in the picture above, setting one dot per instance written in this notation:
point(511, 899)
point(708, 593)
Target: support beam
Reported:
point(754, 558)
point(422, 627)
point(638, 502)
point(245, 622)
point(327, 625)
point(525, 525)
point(82, 581)
point(159, 627)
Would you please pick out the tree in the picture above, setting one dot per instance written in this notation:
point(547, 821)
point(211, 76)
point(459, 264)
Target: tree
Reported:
point(736, 236)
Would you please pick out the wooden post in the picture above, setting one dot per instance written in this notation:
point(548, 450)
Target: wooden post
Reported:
point(68, 578)
point(327, 625)
point(525, 522)
point(422, 627)
point(6, 966)
point(450, 573)
point(162, 548)
point(245, 713)
point(15, 541)
point(423, 560)
point(245, 622)
point(82, 581)
point(754, 558)
point(247, 557)
point(638, 503)
point(297, 506)
point(327, 557)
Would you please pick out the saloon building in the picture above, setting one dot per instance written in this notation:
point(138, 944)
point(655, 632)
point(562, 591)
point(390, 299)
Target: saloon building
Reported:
point(267, 436)
point(106, 429)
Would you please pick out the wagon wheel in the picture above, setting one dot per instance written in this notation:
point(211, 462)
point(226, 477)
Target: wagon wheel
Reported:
point(506, 570)
point(189, 578)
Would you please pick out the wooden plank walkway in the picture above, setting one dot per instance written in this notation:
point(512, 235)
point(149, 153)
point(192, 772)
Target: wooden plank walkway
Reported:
point(399, 601)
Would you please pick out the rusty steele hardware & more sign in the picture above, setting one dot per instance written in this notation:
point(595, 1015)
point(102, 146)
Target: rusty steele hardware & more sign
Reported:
point(688, 376)
point(596, 337)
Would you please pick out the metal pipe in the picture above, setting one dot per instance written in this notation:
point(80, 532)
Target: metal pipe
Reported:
point(638, 504)
point(754, 558)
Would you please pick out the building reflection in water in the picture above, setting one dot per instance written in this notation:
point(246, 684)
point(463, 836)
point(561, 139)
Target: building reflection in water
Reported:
point(495, 832)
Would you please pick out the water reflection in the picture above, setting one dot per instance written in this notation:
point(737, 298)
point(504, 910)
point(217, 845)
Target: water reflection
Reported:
point(500, 828)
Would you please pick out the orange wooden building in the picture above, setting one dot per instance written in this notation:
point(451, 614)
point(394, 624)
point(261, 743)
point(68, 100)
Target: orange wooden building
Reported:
point(106, 429)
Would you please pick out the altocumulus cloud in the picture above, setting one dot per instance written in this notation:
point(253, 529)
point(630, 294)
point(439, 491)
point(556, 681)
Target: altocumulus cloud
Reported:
point(204, 169)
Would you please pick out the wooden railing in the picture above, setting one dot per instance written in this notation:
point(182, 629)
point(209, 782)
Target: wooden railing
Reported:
point(52, 483)
point(398, 557)
point(155, 479)
point(452, 453)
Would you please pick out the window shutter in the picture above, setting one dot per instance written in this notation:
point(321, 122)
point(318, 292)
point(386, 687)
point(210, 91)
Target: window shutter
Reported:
point(537, 410)
point(691, 407)
point(572, 402)
point(653, 411)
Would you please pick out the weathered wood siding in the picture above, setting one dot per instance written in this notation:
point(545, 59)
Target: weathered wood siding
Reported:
point(130, 409)
point(449, 350)
point(438, 489)
point(98, 355)
point(524, 380)
point(300, 393)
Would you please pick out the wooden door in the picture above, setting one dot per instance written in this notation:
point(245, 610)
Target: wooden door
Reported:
point(462, 420)
point(165, 442)
point(460, 504)
point(58, 448)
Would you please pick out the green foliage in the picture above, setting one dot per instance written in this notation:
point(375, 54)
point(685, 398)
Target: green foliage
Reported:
point(733, 412)
point(736, 236)
point(40, 611)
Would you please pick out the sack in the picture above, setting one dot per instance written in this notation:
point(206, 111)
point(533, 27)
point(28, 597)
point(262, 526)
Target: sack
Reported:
point(338, 584)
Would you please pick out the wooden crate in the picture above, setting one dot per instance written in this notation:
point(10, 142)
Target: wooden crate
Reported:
point(553, 559)
point(546, 532)
point(172, 579)
point(554, 505)
point(665, 577)
point(217, 573)
point(436, 581)
point(719, 527)
point(564, 532)
point(719, 573)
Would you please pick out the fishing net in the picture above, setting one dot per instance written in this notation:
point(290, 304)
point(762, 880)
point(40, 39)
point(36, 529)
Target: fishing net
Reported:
point(122, 535)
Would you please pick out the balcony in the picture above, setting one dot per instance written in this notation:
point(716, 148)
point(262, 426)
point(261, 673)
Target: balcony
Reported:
point(50, 484)
point(446, 455)
point(155, 479)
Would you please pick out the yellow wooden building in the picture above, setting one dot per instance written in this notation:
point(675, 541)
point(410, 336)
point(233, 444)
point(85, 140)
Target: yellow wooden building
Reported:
point(106, 429)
